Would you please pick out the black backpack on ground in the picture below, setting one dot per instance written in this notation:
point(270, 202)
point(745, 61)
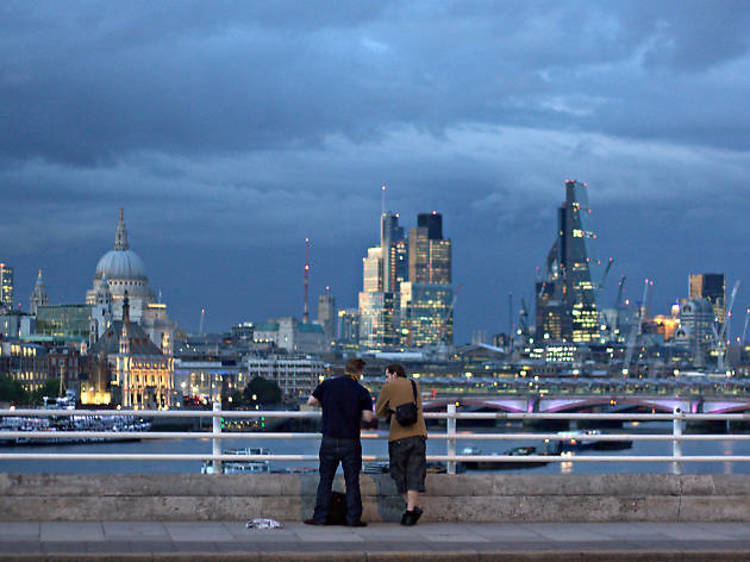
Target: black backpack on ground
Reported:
point(336, 509)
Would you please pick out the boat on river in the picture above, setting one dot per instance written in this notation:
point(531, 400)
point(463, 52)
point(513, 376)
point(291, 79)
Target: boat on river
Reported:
point(581, 440)
point(240, 466)
point(501, 464)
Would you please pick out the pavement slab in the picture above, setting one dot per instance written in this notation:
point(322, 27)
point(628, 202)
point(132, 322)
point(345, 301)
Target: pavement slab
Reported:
point(231, 541)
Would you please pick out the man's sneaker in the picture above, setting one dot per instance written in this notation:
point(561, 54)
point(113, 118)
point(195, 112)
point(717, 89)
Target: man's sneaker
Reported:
point(357, 523)
point(410, 518)
point(312, 521)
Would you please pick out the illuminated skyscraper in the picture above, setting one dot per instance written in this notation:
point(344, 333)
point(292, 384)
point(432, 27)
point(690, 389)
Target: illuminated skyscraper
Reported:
point(566, 295)
point(429, 253)
point(393, 251)
point(6, 286)
point(426, 315)
point(710, 286)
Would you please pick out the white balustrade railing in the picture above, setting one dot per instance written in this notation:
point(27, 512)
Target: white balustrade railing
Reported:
point(451, 436)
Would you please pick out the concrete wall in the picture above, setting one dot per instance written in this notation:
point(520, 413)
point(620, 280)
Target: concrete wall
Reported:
point(289, 497)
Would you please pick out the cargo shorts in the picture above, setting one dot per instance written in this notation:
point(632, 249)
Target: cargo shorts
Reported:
point(408, 465)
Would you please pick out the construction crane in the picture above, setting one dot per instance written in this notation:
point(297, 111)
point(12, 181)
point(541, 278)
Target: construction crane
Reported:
point(202, 322)
point(618, 303)
point(635, 329)
point(744, 330)
point(600, 285)
point(524, 317)
point(721, 344)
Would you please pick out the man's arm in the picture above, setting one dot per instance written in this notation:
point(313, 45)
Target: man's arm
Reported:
point(381, 405)
point(312, 401)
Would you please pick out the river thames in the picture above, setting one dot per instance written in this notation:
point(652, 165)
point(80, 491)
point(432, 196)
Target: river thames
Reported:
point(378, 447)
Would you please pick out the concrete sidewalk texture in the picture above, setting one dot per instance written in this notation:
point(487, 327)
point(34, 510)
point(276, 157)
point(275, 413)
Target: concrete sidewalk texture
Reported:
point(230, 541)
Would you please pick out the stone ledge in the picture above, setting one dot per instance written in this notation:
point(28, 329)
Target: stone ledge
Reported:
point(476, 497)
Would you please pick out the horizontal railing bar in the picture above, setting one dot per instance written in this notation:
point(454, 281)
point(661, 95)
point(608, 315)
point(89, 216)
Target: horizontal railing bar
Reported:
point(428, 415)
point(367, 435)
point(368, 458)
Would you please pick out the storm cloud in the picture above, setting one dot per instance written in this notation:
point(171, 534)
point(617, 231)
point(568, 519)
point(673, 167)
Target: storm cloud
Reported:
point(230, 131)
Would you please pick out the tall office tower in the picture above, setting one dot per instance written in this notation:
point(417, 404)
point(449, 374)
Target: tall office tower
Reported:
point(372, 270)
point(327, 314)
point(6, 286)
point(426, 314)
point(433, 222)
point(429, 253)
point(39, 295)
point(393, 247)
point(711, 286)
point(567, 292)
point(378, 309)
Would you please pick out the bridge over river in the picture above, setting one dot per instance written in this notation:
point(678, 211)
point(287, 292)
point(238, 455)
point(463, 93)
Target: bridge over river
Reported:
point(595, 403)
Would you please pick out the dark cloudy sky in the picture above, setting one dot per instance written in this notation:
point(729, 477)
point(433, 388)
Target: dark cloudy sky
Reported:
point(229, 131)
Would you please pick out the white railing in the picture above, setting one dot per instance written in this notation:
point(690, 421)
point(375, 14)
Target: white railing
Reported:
point(451, 436)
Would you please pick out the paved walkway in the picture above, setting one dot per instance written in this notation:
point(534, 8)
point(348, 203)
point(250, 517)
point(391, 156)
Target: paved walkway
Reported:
point(220, 541)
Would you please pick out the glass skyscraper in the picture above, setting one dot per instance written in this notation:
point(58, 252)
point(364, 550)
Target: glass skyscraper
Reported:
point(566, 297)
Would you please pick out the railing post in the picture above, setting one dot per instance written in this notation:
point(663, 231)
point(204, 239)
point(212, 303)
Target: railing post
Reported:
point(450, 426)
point(216, 437)
point(677, 442)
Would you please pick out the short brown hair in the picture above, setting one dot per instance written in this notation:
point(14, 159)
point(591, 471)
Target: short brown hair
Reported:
point(354, 366)
point(397, 369)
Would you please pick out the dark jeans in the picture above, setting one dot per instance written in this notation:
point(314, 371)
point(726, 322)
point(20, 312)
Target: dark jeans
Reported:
point(349, 453)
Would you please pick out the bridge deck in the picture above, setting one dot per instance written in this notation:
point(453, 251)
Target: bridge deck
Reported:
point(380, 541)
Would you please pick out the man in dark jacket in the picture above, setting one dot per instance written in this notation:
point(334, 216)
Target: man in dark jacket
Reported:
point(345, 403)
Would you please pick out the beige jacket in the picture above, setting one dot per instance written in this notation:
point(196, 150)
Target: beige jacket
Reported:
point(393, 394)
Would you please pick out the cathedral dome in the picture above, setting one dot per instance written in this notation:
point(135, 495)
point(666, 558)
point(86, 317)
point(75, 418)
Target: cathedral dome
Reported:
point(121, 264)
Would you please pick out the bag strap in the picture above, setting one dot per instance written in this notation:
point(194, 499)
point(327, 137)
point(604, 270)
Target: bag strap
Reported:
point(414, 391)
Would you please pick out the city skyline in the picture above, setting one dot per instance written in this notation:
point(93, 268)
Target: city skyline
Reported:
point(228, 143)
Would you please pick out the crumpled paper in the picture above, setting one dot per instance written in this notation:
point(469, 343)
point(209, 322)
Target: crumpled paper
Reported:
point(261, 523)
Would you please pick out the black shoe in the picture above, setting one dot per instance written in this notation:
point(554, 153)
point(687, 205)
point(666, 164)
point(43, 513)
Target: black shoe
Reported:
point(357, 523)
point(312, 521)
point(410, 518)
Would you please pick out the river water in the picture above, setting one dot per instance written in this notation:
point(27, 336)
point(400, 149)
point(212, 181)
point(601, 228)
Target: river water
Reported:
point(379, 447)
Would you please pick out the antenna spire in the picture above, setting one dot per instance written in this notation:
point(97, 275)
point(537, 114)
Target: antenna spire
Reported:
point(306, 312)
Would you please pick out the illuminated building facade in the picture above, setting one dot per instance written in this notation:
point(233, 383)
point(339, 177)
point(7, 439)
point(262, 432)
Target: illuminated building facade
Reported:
point(6, 287)
point(566, 295)
point(696, 329)
point(378, 319)
point(710, 286)
point(429, 254)
point(25, 362)
point(127, 369)
point(64, 320)
point(347, 330)
point(426, 316)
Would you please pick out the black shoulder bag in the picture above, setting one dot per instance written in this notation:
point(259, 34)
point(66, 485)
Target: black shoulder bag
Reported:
point(406, 414)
